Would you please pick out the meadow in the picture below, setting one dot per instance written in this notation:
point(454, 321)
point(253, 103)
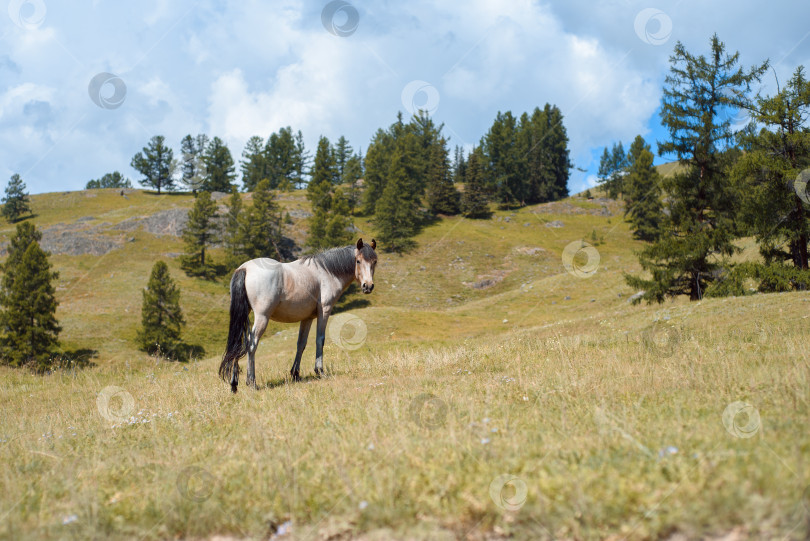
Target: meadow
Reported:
point(493, 386)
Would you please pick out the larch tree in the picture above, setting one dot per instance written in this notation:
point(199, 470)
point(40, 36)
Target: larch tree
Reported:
point(700, 200)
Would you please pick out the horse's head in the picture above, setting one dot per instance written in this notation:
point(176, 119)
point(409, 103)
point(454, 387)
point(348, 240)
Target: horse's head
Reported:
point(364, 268)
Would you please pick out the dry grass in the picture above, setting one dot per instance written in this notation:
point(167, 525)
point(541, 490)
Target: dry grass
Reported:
point(610, 416)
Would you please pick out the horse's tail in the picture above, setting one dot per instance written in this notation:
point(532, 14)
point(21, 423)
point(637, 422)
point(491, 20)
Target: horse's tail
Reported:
point(239, 328)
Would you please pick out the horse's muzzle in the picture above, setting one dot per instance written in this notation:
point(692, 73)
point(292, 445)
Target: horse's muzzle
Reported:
point(367, 288)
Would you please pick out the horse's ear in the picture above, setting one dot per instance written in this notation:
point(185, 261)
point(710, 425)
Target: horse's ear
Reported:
point(373, 244)
point(360, 244)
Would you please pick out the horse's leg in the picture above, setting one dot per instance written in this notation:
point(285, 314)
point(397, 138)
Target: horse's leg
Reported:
point(320, 338)
point(303, 335)
point(259, 325)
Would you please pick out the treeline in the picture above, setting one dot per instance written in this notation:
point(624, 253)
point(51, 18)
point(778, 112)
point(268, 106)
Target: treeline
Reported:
point(730, 183)
point(407, 178)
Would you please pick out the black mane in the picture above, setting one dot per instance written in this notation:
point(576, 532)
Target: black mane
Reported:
point(339, 261)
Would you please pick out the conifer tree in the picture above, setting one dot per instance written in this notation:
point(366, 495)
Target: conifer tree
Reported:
point(234, 231)
point(219, 167)
point(262, 225)
point(396, 215)
point(193, 166)
point(612, 168)
point(28, 301)
point(700, 201)
point(109, 180)
point(474, 200)
point(642, 193)
point(254, 163)
point(765, 176)
point(16, 202)
point(156, 163)
point(343, 152)
point(442, 195)
point(352, 173)
point(201, 232)
point(161, 317)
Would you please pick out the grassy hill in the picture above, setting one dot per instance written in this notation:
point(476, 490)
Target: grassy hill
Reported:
point(479, 357)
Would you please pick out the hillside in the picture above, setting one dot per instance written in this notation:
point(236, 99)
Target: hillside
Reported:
point(478, 356)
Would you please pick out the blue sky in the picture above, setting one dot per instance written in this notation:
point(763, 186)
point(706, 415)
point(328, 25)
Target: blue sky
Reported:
point(248, 68)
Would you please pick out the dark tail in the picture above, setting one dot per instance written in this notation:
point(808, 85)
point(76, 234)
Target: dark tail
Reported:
point(238, 333)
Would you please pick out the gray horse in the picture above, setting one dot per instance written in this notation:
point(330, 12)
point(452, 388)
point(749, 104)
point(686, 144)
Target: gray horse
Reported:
point(303, 290)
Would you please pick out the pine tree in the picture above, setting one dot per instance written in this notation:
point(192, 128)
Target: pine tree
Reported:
point(338, 228)
point(161, 317)
point(642, 192)
point(701, 203)
point(474, 200)
point(765, 176)
point(262, 224)
point(16, 202)
point(254, 163)
point(156, 163)
point(378, 162)
point(201, 232)
point(219, 167)
point(27, 297)
point(442, 195)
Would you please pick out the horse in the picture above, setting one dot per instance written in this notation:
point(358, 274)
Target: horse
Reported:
point(303, 290)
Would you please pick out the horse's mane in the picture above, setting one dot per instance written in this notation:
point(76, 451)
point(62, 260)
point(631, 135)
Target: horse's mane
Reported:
point(338, 261)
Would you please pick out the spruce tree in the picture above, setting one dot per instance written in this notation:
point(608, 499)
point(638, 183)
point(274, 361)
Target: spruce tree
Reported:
point(156, 163)
point(612, 168)
point(474, 200)
point(254, 163)
point(16, 202)
point(161, 317)
point(701, 203)
point(442, 195)
point(219, 167)
point(193, 168)
point(396, 216)
point(201, 232)
point(343, 153)
point(642, 192)
point(262, 224)
point(28, 301)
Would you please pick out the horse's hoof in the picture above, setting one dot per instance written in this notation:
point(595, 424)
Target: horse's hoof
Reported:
point(296, 376)
point(233, 388)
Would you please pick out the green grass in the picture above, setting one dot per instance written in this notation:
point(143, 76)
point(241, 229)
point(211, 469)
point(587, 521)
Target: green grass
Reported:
point(583, 400)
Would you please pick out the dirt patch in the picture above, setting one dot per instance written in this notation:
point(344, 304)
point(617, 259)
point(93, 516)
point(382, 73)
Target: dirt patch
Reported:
point(528, 250)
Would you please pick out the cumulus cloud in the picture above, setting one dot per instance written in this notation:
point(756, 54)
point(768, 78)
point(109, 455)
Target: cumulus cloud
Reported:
point(249, 68)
